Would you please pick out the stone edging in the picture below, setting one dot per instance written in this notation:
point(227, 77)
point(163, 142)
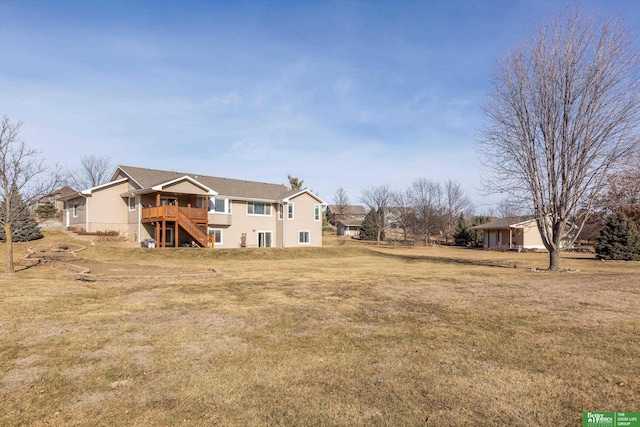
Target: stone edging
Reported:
point(82, 273)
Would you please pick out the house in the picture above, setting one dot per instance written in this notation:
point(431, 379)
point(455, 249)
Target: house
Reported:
point(336, 213)
point(184, 209)
point(55, 198)
point(511, 232)
point(349, 227)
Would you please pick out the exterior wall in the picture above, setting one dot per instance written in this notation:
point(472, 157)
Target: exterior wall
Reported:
point(79, 221)
point(108, 210)
point(303, 220)
point(133, 218)
point(249, 224)
point(532, 238)
point(527, 237)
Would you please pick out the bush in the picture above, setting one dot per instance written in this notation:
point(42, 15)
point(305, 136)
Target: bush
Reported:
point(619, 239)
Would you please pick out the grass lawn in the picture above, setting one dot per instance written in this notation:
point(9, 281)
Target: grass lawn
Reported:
point(348, 334)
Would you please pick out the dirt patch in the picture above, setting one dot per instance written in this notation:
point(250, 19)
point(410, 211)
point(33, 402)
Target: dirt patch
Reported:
point(69, 257)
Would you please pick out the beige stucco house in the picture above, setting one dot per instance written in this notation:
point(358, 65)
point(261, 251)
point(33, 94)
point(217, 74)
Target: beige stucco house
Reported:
point(510, 233)
point(176, 209)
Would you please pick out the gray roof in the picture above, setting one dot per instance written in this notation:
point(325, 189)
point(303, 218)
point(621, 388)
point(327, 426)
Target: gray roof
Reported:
point(508, 222)
point(349, 209)
point(147, 178)
point(350, 222)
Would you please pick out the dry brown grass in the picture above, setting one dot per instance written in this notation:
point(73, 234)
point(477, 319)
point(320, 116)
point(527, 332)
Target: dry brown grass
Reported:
point(347, 334)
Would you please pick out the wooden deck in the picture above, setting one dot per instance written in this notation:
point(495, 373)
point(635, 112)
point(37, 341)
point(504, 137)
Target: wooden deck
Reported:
point(171, 213)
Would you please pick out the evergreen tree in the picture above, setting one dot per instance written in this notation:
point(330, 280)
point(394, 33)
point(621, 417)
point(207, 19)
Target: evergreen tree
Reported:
point(619, 239)
point(46, 210)
point(462, 235)
point(24, 228)
point(478, 235)
point(370, 226)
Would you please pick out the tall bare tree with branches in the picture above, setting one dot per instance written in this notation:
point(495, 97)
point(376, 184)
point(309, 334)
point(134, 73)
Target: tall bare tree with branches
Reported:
point(378, 199)
point(426, 201)
point(23, 179)
point(341, 202)
point(455, 203)
point(94, 170)
point(565, 108)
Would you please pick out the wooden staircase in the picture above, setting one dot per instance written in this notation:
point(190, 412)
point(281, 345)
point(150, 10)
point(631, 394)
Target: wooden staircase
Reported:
point(198, 234)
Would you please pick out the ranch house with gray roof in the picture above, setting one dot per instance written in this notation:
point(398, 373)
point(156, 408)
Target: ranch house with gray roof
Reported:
point(175, 208)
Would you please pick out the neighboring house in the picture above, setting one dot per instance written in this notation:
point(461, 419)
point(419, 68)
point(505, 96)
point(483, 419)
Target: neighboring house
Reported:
point(396, 217)
point(55, 197)
point(512, 232)
point(349, 227)
point(336, 213)
point(181, 209)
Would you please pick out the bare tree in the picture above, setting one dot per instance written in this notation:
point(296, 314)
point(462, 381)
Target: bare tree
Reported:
point(377, 198)
point(403, 211)
point(565, 108)
point(455, 203)
point(24, 179)
point(426, 201)
point(622, 187)
point(94, 171)
point(341, 202)
point(510, 208)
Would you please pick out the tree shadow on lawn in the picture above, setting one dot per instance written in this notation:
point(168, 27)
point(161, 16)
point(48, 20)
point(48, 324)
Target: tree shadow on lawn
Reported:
point(446, 260)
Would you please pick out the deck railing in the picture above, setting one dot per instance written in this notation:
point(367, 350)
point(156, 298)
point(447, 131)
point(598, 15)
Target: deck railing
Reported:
point(170, 213)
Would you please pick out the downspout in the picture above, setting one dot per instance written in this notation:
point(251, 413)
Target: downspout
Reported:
point(139, 207)
point(86, 213)
point(284, 226)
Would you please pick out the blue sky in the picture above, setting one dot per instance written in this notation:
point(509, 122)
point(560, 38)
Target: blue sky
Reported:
point(339, 93)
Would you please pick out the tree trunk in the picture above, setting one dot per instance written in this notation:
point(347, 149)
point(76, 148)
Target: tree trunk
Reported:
point(554, 259)
point(9, 239)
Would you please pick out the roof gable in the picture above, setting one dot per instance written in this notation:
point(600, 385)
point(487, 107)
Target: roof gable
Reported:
point(301, 192)
point(185, 184)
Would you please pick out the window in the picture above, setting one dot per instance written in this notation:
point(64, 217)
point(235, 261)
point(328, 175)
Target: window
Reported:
point(255, 208)
point(280, 211)
point(316, 212)
point(132, 203)
point(217, 235)
point(290, 210)
point(218, 205)
point(303, 237)
point(75, 209)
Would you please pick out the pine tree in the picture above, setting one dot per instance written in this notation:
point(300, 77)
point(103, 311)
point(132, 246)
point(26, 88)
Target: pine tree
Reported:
point(24, 228)
point(462, 236)
point(619, 239)
point(369, 227)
